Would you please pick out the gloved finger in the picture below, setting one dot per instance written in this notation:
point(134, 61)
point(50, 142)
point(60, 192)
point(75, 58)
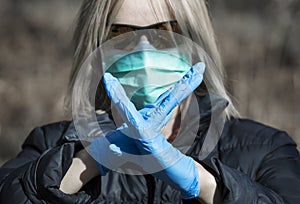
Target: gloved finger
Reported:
point(119, 98)
point(181, 90)
point(151, 109)
point(125, 143)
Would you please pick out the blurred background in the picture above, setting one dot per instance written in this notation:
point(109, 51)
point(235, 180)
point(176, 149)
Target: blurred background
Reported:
point(259, 42)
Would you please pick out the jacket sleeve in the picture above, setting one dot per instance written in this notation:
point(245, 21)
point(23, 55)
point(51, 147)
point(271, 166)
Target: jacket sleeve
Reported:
point(34, 175)
point(277, 179)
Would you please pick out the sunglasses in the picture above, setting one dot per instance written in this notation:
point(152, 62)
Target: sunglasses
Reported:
point(154, 34)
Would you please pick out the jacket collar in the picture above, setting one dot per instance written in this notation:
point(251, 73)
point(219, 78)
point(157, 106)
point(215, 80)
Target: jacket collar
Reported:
point(211, 108)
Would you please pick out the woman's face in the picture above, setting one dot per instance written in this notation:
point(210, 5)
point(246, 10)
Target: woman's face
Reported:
point(142, 13)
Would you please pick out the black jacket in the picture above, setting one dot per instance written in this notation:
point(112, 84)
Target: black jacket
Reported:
point(252, 163)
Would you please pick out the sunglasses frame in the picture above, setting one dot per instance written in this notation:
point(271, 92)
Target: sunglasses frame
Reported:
point(166, 25)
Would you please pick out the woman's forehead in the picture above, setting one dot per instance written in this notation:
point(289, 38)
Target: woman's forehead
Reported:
point(143, 12)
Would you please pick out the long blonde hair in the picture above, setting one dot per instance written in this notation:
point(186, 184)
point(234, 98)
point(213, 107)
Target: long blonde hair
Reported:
point(94, 21)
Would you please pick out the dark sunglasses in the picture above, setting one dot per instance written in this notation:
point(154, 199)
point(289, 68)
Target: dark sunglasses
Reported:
point(160, 40)
point(118, 29)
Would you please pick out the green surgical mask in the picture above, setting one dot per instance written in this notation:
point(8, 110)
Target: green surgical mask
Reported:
point(146, 72)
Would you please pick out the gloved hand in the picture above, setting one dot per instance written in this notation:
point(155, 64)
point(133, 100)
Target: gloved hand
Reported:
point(108, 151)
point(144, 126)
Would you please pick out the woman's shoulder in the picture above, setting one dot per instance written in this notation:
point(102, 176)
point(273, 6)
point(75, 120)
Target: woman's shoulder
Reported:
point(47, 136)
point(240, 132)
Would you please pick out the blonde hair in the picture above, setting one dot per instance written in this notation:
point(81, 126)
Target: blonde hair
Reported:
point(94, 21)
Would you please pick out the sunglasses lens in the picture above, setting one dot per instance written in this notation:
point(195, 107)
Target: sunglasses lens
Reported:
point(160, 40)
point(117, 30)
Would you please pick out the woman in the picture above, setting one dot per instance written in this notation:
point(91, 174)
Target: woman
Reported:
point(251, 163)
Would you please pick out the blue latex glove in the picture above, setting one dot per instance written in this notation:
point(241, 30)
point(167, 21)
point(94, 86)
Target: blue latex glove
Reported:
point(176, 169)
point(108, 151)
